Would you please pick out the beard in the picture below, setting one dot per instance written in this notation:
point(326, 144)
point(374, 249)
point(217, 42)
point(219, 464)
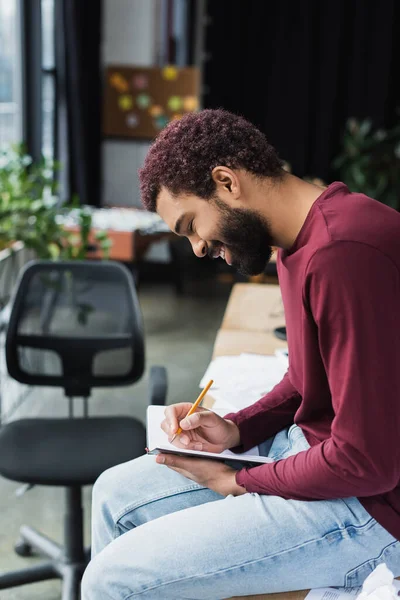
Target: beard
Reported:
point(247, 236)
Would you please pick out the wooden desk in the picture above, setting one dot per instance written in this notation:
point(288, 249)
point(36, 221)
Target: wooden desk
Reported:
point(129, 244)
point(252, 313)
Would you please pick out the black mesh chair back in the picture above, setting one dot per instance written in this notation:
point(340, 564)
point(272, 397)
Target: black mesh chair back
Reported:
point(75, 325)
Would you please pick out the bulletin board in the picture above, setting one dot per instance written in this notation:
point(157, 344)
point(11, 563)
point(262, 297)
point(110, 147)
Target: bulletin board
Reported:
point(140, 101)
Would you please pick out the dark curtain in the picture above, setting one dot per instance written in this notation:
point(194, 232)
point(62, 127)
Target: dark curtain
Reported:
point(78, 37)
point(191, 32)
point(298, 70)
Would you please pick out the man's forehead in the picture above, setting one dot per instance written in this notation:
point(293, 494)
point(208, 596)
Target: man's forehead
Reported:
point(170, 208)
point(167, 202)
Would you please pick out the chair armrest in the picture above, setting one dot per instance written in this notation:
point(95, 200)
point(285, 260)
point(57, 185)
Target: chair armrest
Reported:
point(158, 385)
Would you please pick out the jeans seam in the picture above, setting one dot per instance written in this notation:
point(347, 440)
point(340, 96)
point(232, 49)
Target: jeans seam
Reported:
point(165, 494)
point(280, 454)
point(365, 526)
point(350, 574)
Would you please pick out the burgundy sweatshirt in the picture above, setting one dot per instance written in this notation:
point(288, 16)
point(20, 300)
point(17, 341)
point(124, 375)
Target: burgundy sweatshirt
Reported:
point(340, 285)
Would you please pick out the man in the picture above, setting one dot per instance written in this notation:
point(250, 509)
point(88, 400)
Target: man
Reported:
point(327, 511)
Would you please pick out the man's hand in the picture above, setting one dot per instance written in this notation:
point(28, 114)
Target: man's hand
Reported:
point(215, 475)
point(203, 430)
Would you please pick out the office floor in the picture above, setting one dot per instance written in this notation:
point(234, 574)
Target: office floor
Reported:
point(180, 332)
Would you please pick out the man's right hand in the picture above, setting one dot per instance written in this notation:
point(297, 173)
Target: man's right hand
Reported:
point(203, 430)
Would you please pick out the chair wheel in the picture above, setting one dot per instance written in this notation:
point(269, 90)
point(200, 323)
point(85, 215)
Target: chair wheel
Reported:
point(23, 549)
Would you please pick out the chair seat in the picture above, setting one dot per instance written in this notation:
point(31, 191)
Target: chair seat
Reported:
point(67, 451)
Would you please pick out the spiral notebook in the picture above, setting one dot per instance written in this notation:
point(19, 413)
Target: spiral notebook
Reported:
point(157, 442)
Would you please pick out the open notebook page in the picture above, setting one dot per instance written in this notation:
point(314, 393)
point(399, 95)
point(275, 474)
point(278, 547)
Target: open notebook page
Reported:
point(157, 439)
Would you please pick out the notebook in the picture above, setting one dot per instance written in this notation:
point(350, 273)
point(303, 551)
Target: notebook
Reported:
point(157, 442)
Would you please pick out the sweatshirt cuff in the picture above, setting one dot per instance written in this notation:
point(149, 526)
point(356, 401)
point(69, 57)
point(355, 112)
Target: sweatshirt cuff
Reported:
point(240, 447)
point(240, 478)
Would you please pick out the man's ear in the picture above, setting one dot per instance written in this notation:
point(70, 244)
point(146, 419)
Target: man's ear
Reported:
point(227, 182)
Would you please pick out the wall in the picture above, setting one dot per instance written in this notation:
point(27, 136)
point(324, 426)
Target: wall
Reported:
point(130, 36)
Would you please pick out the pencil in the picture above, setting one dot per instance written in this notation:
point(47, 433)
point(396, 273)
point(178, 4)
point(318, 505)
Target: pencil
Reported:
point(195, 405)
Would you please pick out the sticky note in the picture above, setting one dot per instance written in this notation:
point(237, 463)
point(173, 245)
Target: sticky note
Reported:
point(161, 121)
point(155, 110)
point(143, 101)
point(125, 102)
point(140, 81)
point(119, 82)
point(190, 103)
point(170, 73)
point(132, 120)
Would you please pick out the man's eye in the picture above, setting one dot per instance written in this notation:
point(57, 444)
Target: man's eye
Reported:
point(190, 227)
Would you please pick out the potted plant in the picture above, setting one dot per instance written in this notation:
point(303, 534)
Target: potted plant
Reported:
point(32, 220)
point(369, 161)
point(30, 211)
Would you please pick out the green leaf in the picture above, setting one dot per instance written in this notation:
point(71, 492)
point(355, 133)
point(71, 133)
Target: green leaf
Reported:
point(365, 127)
point(54, 250)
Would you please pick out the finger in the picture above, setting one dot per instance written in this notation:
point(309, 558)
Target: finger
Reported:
point(173, 413)
point(173, 468)
point(176, 462)
point(165, 426)
point(178, 440)
point(204, 418)
point(183, 441)
point(161, 459)
point(180, 471)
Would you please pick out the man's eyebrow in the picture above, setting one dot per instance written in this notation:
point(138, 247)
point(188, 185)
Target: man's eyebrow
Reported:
point(178, 224)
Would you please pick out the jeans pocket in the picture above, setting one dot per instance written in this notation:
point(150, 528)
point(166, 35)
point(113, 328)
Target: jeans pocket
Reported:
point(390, 555)
point(280, 445)
point(297, 440)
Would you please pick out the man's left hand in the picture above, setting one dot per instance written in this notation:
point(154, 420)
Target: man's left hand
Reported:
point(215, 475)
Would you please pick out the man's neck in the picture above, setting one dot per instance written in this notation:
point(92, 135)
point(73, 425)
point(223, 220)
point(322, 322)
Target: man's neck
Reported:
point(288, 208)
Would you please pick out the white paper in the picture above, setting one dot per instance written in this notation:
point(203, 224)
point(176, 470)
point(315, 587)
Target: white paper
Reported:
point(242, 380)
point(158, 439)
point(220, 369)
point(221, 405)
point(282, 355)
point(379, 585)
point(331, 593)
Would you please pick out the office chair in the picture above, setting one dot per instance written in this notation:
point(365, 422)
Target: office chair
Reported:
point(74, 325)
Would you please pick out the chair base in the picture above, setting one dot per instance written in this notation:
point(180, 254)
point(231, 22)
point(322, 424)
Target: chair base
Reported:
point(32, 542)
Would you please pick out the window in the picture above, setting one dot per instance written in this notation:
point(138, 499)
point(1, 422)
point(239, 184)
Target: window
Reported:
point(10, 73)
point(48, 79)
point(40, 117)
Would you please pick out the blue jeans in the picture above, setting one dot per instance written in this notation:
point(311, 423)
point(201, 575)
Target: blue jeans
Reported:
point(158, 535)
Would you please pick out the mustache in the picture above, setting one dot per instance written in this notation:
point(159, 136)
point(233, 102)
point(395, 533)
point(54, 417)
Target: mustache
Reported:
point(213, 247)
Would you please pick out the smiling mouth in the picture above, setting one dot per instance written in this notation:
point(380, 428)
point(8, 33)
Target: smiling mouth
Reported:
point(218, 252)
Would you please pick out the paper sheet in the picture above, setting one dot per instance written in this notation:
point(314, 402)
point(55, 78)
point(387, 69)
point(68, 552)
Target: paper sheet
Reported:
point(242, 380)
point(219, 370)
point(333, 593)
point(339, 593)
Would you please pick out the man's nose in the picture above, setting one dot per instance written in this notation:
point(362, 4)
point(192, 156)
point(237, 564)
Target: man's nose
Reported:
point(199, 248)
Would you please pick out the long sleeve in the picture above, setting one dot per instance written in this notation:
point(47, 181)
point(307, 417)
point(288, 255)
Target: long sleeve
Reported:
point(352, 292)
point(267, 416)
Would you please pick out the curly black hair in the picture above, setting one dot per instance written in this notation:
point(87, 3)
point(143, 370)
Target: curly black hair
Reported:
point(184, 154)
